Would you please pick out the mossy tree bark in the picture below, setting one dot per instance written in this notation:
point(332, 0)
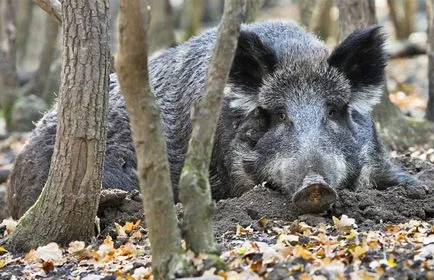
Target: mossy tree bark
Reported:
point(161, 32)
point(430, 51)
point(8, 57)
point(152, 164)
point(195, 192)
point(396, 130)
point(37, 84)
point(66, 209)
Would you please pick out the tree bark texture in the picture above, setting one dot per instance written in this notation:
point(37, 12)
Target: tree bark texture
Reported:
point(354, 14)
point(192, 17)
point(67, 206)
point(430, 51)
point(8, 57)
point(161, 32)
point(194, 183)
point(37, 84)
point(52, 7)
point(152, 164)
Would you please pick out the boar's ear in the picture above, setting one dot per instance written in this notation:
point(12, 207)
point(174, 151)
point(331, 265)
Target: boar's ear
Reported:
point(253, 60)
point(361, 58)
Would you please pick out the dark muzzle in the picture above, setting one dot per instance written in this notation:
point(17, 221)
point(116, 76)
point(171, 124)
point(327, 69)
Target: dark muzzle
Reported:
point(315, 195)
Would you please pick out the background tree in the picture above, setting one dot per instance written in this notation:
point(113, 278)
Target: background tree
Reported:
point(402, 15)
point(393, 124)
point(192, 17)
point(253, 7)
point(39, 79)
point(161, 32)
point(25, 16)
point(66, 208)
point(430, 51)
point(8, 68)
point(315, 16)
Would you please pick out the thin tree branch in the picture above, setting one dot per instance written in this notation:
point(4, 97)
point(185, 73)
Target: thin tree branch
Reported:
point(52, 7)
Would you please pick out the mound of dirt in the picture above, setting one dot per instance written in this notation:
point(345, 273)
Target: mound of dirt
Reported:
point(371, 208)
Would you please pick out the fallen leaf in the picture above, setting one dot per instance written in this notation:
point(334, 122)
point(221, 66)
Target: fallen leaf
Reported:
point(120, 230)
point(10, 224)
point(49, 252)
point(3, 250)
point(47, 266)
point(76, 246)
point(131, 226)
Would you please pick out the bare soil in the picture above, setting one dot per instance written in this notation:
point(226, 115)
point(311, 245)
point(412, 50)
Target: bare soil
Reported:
point(372, 208)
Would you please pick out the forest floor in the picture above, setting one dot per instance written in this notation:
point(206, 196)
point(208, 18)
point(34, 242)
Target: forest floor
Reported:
point(368, 233)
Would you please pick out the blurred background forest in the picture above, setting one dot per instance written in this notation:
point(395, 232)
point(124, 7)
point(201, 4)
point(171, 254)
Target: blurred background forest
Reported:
point(30, 50)
point(37, 46)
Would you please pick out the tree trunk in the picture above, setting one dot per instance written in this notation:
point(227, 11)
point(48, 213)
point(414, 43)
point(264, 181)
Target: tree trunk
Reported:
point(161, 33)
point(192, 17)
point(152, 165)
point(306, 8)
point(321, 22)
point(67, 206)
point(8, 68)
point(392, 124)
point(354, 14)
point(37, 84)
point(253, 7)
point(315, 16)
point(25, 16)
point(430, 50)
point(402, 16)
point(195, 192)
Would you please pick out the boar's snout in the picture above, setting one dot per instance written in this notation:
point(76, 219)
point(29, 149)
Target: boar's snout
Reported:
point(315, 195)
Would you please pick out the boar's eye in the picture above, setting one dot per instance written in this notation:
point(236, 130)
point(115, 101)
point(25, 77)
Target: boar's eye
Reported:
point(282, 117)
point(336, 113)
point(332, 112)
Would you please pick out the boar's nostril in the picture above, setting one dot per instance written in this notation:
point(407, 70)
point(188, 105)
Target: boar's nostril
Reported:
point(315, 195)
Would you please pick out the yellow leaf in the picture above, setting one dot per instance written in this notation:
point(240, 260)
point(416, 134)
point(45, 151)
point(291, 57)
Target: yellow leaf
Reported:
point(242, 251)
point(3, 250)
point(299, 251)
point(120, 230)
point(391, 262)
point(2, 263)
point(351, 235)
point(129, 226)
point(358, 252)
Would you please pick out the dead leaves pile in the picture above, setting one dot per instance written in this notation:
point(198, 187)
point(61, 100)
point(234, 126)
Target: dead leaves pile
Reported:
point(127, 257)
point(299, 251)
point(338, 251)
